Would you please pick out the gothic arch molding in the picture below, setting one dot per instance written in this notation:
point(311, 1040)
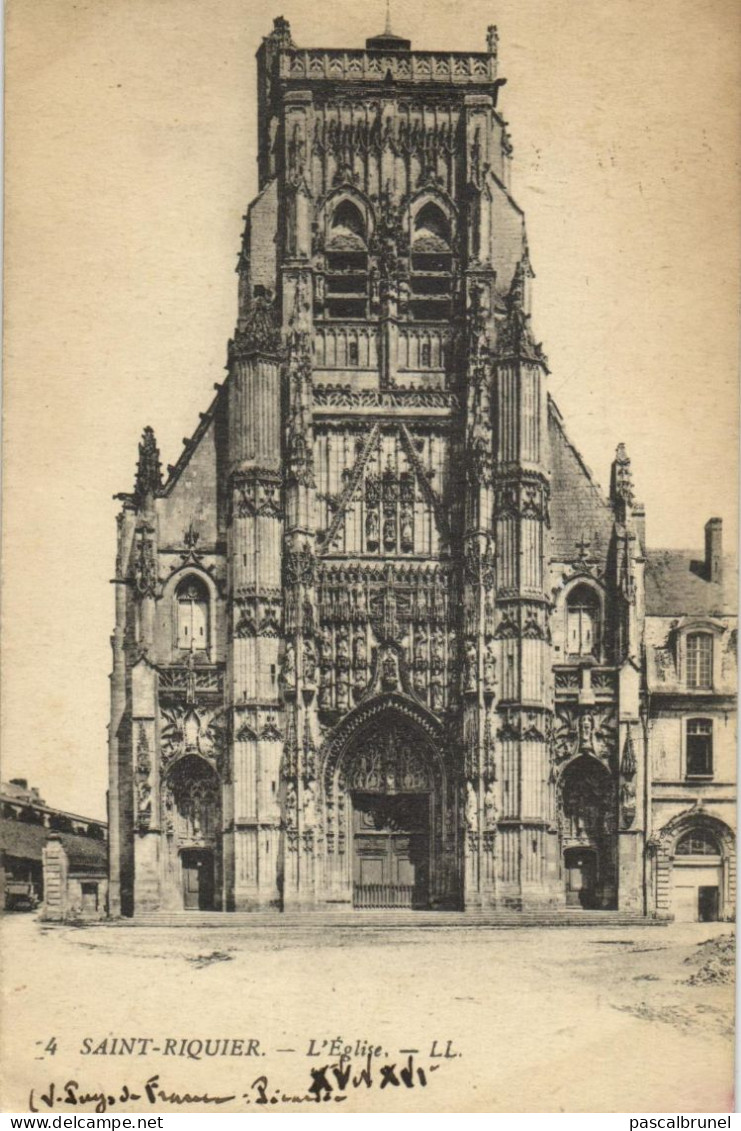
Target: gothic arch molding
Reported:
point(392, 706)
point(169, 598)
point(391, 748)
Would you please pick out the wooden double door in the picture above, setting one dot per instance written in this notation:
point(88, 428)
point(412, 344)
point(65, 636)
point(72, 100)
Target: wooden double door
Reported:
point(391, 850)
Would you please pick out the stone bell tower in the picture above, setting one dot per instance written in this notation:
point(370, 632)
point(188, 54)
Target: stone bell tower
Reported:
point(334, 655)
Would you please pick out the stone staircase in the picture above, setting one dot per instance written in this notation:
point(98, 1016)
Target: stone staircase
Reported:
point(323, 920)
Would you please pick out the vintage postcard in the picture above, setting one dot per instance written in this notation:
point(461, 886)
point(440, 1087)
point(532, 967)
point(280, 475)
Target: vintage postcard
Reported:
point(373, 747)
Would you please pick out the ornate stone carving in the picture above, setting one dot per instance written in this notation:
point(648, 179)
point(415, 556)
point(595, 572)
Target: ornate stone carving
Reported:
point(387, 765)
point(260, 330)
point(143, 779)
point(628, 769)
point(192, 730)
point(145, 563)
point(288, 673)
point(589, 732)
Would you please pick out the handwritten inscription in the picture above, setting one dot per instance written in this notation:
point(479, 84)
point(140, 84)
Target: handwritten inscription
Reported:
point(336, 1069)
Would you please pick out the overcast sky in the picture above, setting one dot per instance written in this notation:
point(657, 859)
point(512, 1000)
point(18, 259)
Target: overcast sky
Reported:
point(130, 162)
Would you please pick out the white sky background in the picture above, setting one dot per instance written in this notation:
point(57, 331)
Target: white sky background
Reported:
point(130, 161)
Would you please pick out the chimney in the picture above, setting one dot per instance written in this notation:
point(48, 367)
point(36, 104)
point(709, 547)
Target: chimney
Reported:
point(714, 549)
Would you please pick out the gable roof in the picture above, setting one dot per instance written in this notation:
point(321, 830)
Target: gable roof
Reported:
point(677, 585)
point(579, 510)
point(26, 841)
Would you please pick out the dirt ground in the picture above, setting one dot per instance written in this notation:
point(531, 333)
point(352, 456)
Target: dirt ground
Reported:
point(592, 1019)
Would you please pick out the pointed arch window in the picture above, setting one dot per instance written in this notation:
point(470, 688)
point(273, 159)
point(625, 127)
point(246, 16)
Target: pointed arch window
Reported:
point(582, 622)
point(192, 603)
point(432, 265)
point(346, 282)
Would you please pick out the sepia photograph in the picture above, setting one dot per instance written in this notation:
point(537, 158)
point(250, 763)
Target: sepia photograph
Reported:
point(370, 519)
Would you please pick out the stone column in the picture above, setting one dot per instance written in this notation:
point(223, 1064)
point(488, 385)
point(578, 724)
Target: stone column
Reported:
point(254, 541)
point(56, 869)
point(528, 840)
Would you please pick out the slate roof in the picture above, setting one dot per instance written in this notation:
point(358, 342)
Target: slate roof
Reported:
point(677, 585)
point(26, 841)
point(579, 510)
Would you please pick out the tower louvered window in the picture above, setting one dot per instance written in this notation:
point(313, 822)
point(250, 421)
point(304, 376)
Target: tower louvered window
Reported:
point(432, 266)
point(346, 278)
point(192, 614)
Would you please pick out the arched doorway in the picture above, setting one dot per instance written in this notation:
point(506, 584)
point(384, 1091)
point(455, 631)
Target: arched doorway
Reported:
point(391, 830)
point(694, 868)
point(193, 825)
point(697, 877)
point(587, 820)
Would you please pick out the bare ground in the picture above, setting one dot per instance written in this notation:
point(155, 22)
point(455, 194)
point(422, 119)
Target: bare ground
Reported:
point(564, 1019)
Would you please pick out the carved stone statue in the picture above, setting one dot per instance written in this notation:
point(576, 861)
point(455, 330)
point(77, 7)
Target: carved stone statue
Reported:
point(360, 650)
point(343, 690)
point(470, 666)
point(289, 666)
point(407, 529)
point(325, 647)
point(586, 734)
point(389, 531)
point(436, 694)
point(371, 529)
point(309, 661)
point(489, 669)
point(360, 600)
point(343, 650)
point(310, 806)
point(490, 807)
point(472, 807)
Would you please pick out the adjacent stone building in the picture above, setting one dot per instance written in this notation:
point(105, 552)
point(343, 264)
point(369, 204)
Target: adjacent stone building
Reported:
point(381, 640)
point(50, 857)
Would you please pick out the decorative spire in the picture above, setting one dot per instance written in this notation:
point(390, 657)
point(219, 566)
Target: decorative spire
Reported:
point(149, 468)
point(621, 479)
point(387, 30)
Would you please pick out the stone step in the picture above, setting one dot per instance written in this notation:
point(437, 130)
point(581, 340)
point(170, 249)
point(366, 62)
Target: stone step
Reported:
point(389, 920)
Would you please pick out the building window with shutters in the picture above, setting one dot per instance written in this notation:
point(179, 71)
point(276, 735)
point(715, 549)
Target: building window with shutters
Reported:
point(699, 748)
point(582, 622)
point(192, 614)
point(699, 650)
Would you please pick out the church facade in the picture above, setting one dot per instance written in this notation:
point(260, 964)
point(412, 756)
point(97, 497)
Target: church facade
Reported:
point(381, 641)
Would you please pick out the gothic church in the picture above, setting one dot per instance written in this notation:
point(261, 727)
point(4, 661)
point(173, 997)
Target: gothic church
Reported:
point(381, 641)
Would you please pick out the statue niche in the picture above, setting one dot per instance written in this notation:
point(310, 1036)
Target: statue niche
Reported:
point(192, 802)
point(587, 800)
